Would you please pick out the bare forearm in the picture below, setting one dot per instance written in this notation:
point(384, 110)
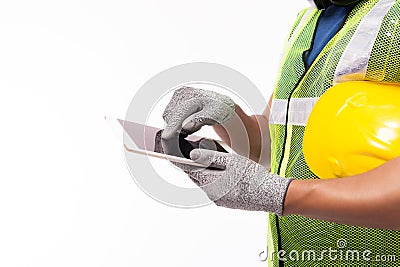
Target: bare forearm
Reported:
point(249, 135)
point(243, 133)
point(231, 126)
point(371, 199)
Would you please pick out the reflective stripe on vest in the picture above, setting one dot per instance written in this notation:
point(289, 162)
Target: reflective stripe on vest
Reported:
point(299, 111)
point(354, 61)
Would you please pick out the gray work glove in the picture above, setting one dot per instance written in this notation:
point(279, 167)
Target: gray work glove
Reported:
point(242, 184)
point(191, 108)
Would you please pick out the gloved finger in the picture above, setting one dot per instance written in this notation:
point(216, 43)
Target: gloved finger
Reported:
point(172, 146)
point(210, 158)
point(176, 117)
point(197, 120)
point(208, 144)
point(209, 115)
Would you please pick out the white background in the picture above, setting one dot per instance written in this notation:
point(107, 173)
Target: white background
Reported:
point(66, 196)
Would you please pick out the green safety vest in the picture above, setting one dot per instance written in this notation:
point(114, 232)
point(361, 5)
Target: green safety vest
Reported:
point(367, 47)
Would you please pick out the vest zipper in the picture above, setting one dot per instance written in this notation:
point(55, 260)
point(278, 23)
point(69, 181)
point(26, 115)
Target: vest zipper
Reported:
point(306, 68)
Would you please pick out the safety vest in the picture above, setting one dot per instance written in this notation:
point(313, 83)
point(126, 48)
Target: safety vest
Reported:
point(367, 47)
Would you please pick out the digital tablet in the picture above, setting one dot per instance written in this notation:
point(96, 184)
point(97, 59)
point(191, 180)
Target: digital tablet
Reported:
point(144, 138)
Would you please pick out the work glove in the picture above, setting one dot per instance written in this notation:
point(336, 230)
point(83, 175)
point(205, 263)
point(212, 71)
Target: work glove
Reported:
point(237, 182)
point(188, 110)
point(191, 108)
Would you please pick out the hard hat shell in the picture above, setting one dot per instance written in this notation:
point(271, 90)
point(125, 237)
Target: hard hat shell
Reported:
point(354, 127)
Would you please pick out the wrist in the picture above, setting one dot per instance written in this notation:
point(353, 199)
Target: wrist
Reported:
point(297, 197)
point(273, 194)
point(281, 194)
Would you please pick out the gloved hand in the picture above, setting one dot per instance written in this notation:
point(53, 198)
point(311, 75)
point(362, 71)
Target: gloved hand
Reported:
point(242, 184)
point(191, 108)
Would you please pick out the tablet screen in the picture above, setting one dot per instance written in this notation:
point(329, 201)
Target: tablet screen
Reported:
point(148, 142)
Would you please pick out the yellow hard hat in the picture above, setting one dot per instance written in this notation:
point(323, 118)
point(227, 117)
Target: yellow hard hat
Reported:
point(354, 127)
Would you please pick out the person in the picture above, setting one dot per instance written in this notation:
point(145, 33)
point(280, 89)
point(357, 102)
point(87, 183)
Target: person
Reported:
point(330, 42)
